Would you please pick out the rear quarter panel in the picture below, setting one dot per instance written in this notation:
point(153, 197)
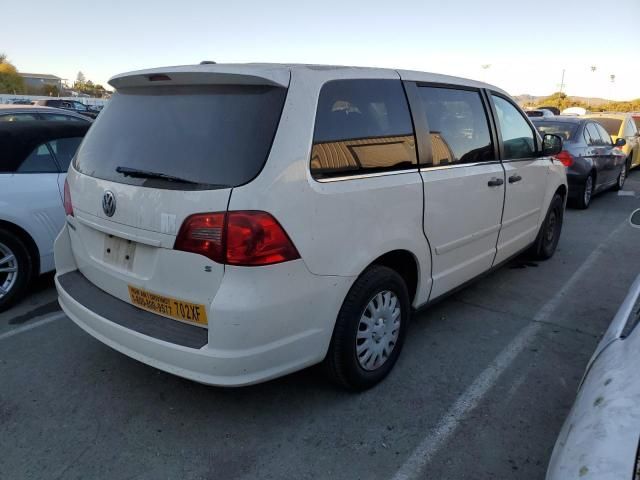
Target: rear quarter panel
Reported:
point(33, 203)
point(338, 227)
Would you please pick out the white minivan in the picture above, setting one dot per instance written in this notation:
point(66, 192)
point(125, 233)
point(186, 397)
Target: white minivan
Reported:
point(234, 223)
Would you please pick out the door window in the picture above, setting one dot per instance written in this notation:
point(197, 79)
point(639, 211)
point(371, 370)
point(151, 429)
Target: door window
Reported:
point(362, 126)
point(606, 138)
point(458, 127)
point(38, 161)
point(56, 117)
point(518, 139)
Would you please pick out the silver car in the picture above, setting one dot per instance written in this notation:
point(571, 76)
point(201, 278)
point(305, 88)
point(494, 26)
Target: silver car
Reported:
point(16, 113)
point(600, 437)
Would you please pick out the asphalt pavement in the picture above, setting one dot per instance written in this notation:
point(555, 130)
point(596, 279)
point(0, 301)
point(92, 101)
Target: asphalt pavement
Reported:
point(483, 385)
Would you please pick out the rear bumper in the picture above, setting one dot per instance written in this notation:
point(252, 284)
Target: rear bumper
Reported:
point(264, 323)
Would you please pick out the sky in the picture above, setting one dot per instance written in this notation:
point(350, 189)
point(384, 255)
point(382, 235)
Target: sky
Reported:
point(526, 44)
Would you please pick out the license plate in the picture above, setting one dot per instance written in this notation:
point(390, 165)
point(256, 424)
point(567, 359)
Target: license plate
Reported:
point(168, 307)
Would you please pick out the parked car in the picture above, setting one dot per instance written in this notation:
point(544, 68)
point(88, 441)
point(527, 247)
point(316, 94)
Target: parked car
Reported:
point(621, 125)
point(537, 113)
point(34, 157)
point(599, 438)
point(17, 113)
point(554, 110)
point(234, 223)
point(594, 163)
point(72, 105)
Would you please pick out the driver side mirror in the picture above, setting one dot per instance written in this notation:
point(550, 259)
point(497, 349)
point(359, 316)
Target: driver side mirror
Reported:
point(621, 142)
point(551, 145)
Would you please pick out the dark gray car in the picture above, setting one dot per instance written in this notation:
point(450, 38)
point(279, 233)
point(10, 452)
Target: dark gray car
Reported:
point(593, 162)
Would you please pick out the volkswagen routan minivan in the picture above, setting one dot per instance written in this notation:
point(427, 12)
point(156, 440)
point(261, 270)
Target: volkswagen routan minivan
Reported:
point(234, 223)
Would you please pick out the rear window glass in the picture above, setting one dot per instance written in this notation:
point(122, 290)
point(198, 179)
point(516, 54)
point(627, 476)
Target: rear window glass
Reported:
point(362, 126)
point(563, 129)
point(534, 113)
point(637, 122)
point(209, 136)
point(611, 125)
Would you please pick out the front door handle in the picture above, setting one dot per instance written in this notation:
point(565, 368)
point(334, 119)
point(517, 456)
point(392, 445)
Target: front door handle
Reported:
point(514, 178)
point(495, 182)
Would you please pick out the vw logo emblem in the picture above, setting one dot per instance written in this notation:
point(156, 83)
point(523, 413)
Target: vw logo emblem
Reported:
point(109, 203)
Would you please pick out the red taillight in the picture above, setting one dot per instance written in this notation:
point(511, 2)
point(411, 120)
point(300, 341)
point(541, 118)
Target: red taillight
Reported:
point(68, 206)
point(247, 238)
point(202, 233)
point(565, 157)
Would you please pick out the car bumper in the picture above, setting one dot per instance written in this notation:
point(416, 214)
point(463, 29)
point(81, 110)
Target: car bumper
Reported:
point(266, 322)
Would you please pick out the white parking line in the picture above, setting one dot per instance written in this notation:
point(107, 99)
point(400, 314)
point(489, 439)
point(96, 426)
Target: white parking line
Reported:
point(423, 454)
point(31, 326)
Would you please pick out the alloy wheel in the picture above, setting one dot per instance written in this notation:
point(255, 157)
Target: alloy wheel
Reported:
point(588, 190)
point(8, 270)
point(378, 330)
point(622, 177)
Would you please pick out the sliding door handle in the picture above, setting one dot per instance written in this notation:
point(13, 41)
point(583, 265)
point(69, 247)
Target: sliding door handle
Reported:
point(495, 182)
point(514, 178)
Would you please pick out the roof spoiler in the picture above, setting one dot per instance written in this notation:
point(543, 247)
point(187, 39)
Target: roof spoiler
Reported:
point(207, 74)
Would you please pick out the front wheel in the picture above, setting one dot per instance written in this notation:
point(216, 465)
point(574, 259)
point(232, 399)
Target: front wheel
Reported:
point(549, 234)
point(370, 330)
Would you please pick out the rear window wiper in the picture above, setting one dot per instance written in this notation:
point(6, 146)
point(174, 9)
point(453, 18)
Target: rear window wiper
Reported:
point(137, 173)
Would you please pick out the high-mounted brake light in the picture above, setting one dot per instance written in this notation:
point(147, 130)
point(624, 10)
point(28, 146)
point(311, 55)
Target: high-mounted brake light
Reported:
point(68, 206)
point(245, 238)
point(565, 157)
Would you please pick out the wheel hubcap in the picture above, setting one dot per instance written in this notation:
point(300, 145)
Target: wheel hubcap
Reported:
point(378, 330)
point(588, 187)
point(551, 226)
point(8, 270)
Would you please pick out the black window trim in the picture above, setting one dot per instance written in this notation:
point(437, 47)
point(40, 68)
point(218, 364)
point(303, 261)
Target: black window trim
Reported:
point(536, 136)
point(359, 174)
point(421, 125)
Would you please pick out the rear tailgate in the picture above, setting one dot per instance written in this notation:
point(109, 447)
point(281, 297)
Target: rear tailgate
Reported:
point(160, 151)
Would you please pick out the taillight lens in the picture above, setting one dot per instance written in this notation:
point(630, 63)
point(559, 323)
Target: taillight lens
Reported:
point(68, 206)
point(202, 233)
point(245, 238)
point(565, 157)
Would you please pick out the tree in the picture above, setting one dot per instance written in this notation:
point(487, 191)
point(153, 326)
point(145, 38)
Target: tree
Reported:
point(10, 79)
point(80, 78)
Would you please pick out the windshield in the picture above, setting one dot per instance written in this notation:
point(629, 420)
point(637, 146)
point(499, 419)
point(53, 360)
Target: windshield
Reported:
point(611, 125)
point(207, 135)
point(565, 130)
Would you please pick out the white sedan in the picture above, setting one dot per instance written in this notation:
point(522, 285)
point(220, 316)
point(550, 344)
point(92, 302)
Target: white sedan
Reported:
point(600, 437)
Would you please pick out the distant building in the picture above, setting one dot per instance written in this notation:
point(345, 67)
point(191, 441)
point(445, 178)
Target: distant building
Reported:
point(38, 80)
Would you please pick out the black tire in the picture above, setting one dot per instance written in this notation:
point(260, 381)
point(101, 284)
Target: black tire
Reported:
point(622, 177)
point(550, 230)
point(583, 201)
point(13, 244)
point(341, 363)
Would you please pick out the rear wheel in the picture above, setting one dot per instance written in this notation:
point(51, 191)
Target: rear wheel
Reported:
point(584, 200)
point(622, 177)
point(16, 268)
point(370, 330)
point(549, 235)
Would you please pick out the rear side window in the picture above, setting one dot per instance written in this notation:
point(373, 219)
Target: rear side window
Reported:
point(517, 136)
point(565, 130)
point(591, 135)
point(64, 149)
point(58, 117)
point(38, 161)
point(458, 126)
point(606, 138)
point(18, 117)
point(209, 136)
point(362, 126)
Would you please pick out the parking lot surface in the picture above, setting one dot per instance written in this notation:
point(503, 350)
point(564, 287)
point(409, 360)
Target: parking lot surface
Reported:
point(483, 385)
